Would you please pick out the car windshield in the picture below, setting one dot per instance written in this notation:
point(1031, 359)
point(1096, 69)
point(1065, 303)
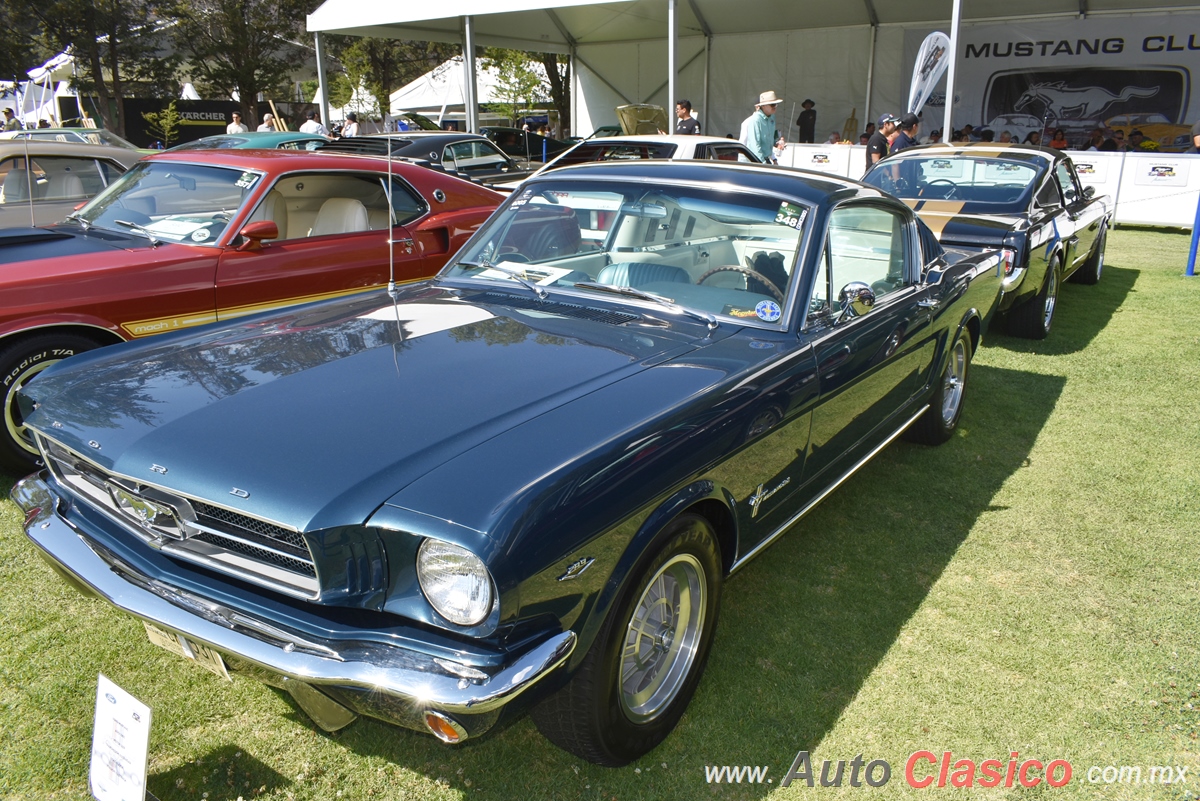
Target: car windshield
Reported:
point(711, 251)
point(169, 201)
point(981, 184)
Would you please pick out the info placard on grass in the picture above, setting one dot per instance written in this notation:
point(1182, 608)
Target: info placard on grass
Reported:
point(120, 745)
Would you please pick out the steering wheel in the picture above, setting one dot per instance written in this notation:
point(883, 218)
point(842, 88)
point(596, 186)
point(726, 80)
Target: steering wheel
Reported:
point(946, 181)
point(757, 276)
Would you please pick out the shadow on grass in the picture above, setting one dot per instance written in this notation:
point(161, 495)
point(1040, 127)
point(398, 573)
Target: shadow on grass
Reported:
point(1081, 314)
point(222, 774)
point(800, 630)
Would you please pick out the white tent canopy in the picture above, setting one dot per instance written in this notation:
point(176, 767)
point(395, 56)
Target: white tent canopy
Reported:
point(444, 86)
point(849, 57)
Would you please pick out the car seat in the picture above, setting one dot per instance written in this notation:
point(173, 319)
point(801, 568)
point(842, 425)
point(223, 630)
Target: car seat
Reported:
point(273, 208)
point(639, 273)
point(340, 215)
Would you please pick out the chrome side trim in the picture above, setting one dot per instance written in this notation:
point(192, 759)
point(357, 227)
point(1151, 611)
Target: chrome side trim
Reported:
point(811, 504)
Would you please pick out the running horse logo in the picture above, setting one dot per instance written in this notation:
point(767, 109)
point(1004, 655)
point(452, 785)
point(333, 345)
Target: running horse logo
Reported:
point(1063, 102)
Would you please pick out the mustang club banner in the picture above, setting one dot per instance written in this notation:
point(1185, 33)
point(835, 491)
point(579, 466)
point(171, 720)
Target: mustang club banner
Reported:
point(1078, 75)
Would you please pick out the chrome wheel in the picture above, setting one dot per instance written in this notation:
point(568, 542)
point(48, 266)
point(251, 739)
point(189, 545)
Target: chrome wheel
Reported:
point(954, 382)
point(1051, 298)
point(663, 637)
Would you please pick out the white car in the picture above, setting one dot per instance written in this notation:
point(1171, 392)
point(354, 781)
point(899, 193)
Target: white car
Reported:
point(637, 148)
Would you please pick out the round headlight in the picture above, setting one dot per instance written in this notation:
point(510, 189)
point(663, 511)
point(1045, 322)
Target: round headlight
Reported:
point(455, 582)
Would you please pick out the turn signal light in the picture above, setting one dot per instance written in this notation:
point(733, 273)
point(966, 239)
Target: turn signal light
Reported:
point(443, 728)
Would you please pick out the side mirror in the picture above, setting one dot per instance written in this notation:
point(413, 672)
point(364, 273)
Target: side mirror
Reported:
point(254, 233)
point(856, 298)
point(1089, 192)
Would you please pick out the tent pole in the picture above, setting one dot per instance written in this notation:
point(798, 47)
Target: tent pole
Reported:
point(870, 76)
point(322, 80)
point(574, 95)
point(672, 48)
point(472, 106)
point(707, 61)
point(947, 129)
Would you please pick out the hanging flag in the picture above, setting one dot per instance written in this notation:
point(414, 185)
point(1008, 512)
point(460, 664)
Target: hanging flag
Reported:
point(932, 61)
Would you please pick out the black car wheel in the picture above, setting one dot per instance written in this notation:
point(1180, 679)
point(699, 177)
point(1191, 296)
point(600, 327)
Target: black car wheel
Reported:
point(1089, 273)
point(1032, 319)
point(646, 662)
point(20, 363)
point(940, 420)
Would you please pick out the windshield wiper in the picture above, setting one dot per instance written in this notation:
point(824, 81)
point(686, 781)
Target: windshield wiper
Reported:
point(703, 317)
point(154, 241)
point(74, 217)
point(486, 265)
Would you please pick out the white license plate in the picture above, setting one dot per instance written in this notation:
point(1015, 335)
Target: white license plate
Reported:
point(202, 655)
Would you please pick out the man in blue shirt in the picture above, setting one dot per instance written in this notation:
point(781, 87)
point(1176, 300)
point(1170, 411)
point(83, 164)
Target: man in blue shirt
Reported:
point(758, 130)
point(908, 133)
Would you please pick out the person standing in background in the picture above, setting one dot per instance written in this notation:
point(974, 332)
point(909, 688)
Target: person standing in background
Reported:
point(268, 123)
point(312, 126)
point(686, 123)
point(807, 123)
point(758, 130)
point(908, 134)
point(236, 126)
point(350, 128)
point(877, 145)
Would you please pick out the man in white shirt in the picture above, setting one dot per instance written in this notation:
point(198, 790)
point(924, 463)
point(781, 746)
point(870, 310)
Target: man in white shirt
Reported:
point(236, 126)
point(268, 123)
point(312, 126)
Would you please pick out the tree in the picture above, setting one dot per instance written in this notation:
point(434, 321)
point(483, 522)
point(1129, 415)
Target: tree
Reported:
point(518, 85)
point(118, 48)
point(241, 47)
point(21, 44)
point(385, 65)
point(558, 81)
point(164, 125)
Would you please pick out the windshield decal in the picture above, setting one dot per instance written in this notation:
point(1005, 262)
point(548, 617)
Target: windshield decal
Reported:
point(247, 180)
point(768, 311)
point(791, 215)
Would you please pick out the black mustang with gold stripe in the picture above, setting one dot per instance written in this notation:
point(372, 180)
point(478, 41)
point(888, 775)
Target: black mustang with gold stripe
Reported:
point(1018, 197)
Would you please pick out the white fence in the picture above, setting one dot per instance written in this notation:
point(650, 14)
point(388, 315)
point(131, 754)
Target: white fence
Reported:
point(1148, 188)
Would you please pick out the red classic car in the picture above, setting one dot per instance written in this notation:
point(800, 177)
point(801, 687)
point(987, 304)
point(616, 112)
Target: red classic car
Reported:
point(190, 238)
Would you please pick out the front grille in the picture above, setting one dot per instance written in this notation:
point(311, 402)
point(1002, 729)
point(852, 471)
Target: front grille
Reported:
point(280, 536)
point(230, 542)
point(607, 316)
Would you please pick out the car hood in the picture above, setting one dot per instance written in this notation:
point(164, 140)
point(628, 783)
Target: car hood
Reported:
point(315, 417)
point(952, 226)
point(60, 241)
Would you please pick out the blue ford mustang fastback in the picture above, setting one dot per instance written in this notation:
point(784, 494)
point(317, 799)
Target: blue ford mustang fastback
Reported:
point(523, 483)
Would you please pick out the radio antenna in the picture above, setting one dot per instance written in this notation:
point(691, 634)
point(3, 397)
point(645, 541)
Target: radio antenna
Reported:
point(391, 287)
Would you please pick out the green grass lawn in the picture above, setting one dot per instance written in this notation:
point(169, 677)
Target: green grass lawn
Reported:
point(1032, 586)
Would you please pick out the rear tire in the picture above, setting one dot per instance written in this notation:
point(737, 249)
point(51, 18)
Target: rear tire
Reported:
point(641, 672)
point(1033, 318)
point(1089, 273)
point(940, 421)
point(21, 362)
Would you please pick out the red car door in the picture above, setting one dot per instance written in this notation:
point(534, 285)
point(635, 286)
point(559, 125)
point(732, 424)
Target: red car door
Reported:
point(333, 240)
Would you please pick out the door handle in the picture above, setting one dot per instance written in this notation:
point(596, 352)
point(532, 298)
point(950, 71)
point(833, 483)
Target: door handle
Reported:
point(405, 245)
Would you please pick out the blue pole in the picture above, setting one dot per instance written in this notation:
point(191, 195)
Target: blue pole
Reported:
point(1191, 265)
point(544, 143)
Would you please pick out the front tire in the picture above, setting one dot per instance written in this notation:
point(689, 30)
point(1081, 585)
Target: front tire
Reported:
point(940, 421)
point(20, 363)
point(1033, 318)
point(641, 672)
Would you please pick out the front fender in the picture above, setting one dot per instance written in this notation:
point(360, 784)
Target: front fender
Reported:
point(25, 325)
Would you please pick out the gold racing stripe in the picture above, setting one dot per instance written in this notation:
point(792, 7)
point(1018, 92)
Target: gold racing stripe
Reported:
point(936, 213)
point(160, 325)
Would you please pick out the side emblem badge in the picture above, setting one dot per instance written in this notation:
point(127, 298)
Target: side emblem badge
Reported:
point(577, 568)
point(158, 468)
point(241, 493)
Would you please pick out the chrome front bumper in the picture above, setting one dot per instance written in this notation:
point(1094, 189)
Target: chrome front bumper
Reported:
point(394, 684)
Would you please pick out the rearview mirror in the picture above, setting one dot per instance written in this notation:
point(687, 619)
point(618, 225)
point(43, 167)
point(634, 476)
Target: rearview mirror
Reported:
point(254, 233)
point(1089, 192)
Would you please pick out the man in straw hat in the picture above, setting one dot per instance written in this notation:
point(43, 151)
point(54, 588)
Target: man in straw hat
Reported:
point(758, 130)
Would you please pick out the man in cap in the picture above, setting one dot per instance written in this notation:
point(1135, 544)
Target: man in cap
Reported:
point(807, 122)
point(877, 145)
point(908, 133)
point(758, 130)
point(11, 123)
